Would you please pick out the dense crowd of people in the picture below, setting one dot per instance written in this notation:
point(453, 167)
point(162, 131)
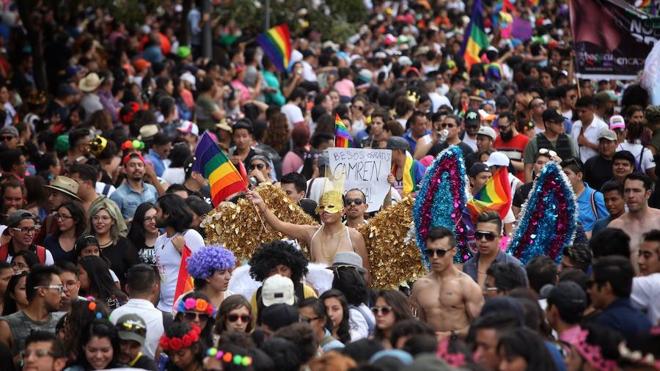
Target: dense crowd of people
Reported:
point(100, 200)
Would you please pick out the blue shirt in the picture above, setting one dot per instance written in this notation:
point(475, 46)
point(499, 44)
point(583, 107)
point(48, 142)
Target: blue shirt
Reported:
point(412, 141)
point(128, 199)
point(624, 318)
point(591, 207)
point(471, 267)
point(154, 158)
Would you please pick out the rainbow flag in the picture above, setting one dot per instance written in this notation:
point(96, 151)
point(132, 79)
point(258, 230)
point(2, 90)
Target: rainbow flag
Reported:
point(184, 282)
point(476, 38)
point(495, 195)
point(214, 165)
point(409, 183)
point(276, 43)
point(342, 136)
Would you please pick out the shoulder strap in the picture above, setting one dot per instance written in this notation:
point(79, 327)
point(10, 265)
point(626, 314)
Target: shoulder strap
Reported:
point(309, 187)
point(594, 209)
point(4, 252)
point(370, 324)
point(41, 254)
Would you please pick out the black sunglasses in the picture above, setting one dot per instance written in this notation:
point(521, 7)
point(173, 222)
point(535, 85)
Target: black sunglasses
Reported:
point(235, 317)
point(489, 236)
point(355, 201)
point(7, 137)
point(191, 316)
point(257, 166)
point(440, 253)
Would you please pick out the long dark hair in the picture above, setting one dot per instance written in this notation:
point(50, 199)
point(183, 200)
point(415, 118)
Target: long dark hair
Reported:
point(179, 216)
point(9, 303)
point(351, 282)
point(400, 308)
point(525, 343)
point(343, 330)
point(101, 283)
point(78, 214)
point(137, 234)
point(207, 332)
point(230, 303)
point(77, 319)
point(101, 328)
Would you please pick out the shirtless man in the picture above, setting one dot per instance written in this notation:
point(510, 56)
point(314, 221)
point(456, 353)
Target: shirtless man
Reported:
point(447, 299)
point(640, 218)
point(325, 241)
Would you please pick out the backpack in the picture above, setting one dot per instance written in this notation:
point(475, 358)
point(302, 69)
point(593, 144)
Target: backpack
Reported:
point(40, 251)
point(370, 324)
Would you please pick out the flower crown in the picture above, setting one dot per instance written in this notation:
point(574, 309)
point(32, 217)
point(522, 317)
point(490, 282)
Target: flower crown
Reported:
point(228, 357)
point(186, 341)
point(91, 306)
point(197, 305)
point(592, 353)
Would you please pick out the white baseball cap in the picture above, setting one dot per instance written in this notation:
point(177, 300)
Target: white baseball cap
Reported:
point(497, 159)
point(487, 131)
point(278, 289)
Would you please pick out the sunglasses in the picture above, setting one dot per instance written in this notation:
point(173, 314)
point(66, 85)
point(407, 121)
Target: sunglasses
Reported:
point(446, 126)
point(545, 151)
point(356, 202)
point(257, 166)
point(359, 107)
point(235, 317)
point(132, 326)
point(489, 236)
point(191, 316)
point(440, 253)
point(6, 137)
point(384, 310)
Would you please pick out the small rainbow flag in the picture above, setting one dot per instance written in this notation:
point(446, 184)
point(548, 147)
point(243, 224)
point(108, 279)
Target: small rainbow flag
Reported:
point(214, 165)
point(495, 195)
point(476, 38)
point(342, 136)
point(412, 173)
point(184, 282)
point(276, 43)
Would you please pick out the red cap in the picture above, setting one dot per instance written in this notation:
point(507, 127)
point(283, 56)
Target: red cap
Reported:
point(129, 156)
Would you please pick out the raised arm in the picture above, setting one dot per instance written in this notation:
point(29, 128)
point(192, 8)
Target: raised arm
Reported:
point(299, 232)
point(361, 249)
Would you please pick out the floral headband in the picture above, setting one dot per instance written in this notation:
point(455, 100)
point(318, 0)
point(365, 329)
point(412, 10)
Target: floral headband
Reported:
point(91, 306)
point(197, 305)
point(186, 341)
point(228, 357)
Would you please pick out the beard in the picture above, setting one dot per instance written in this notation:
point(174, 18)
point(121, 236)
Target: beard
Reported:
point(506, 136)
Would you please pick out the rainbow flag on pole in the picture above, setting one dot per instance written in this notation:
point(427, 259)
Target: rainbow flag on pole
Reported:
point(342, 136)
point(276, 43)
point(476, 38)
point(184, 282)
point(495, 195)
point(214, 165)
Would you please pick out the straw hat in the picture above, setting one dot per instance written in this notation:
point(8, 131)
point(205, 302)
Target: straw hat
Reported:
point(65, 185)
point(90, 83)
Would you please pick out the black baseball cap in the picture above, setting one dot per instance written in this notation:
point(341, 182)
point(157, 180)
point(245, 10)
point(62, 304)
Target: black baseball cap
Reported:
point(277, 316)
point(477, 168)
point(567, 296)
point(552, 115)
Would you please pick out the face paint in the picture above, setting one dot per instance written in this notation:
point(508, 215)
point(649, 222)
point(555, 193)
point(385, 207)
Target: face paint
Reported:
point(330, 202)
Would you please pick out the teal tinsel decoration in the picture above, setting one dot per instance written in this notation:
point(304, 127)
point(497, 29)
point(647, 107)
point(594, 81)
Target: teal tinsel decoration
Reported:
point(441, 202)
point(548, 220)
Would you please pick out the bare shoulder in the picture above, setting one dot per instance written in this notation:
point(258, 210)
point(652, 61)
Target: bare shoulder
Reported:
point(423, 282)
point(354, 233)
point(618, 222)
point(467, 281)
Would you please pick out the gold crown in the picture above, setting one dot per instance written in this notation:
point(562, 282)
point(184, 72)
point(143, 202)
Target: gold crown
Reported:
point(413, 96)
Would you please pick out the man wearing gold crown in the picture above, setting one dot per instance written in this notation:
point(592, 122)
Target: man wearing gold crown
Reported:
point(324, 241)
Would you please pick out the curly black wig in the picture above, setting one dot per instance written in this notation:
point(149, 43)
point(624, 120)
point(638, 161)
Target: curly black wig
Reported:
point(272, 254)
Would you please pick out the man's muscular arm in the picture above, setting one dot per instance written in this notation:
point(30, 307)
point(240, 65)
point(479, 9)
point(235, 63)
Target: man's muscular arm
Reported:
point(416, 307)
point(474, 300)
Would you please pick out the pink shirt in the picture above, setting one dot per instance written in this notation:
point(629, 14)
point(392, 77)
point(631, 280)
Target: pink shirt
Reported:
point(291, 163)
point(345, 87)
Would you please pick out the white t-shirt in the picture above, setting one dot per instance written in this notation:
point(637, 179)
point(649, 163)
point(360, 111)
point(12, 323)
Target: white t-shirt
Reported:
point(168, 260)
point(591, 133)
point(357, 323)
point(293, 114)
point(174, 175)
point(643, 156)
point(644, 296)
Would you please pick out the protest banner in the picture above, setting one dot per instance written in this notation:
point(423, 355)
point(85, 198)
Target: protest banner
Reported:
point(611, 38)
point(365, 169)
